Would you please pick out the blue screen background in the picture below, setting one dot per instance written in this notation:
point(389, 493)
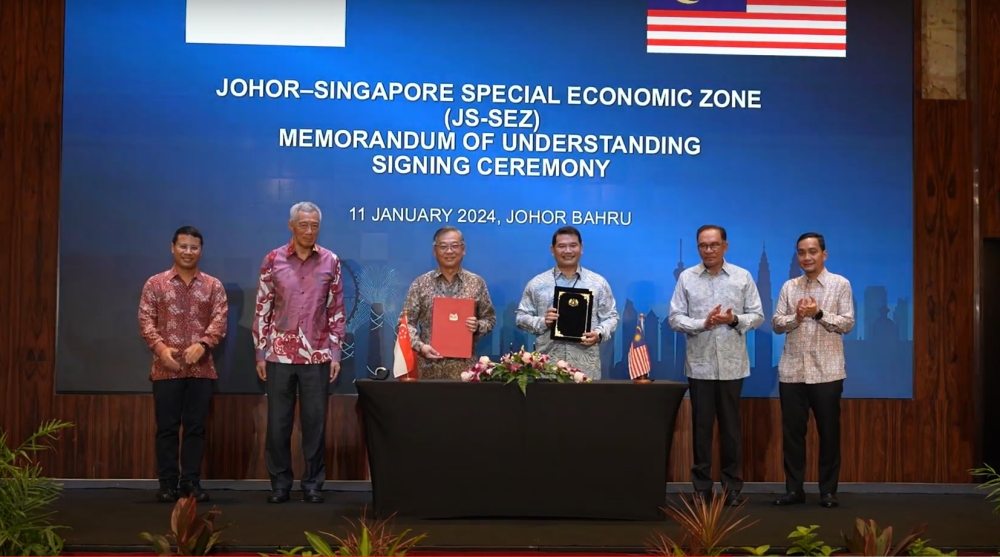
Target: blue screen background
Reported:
point(148, 146)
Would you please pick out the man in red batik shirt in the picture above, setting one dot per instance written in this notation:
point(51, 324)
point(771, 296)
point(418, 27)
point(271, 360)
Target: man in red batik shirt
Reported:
point(182, 317)
point(298, 328)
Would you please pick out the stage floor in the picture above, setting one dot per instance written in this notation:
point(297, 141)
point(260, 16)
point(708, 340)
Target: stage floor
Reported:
point(110, 520)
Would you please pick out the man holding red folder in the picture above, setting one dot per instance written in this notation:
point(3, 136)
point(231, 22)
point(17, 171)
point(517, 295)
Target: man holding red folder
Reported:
point(447, 311)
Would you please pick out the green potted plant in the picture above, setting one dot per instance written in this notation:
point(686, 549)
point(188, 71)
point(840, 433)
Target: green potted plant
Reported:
point(26, 496)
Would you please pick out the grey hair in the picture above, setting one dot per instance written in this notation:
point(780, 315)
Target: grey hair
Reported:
point(444, 230)
point(304, 207)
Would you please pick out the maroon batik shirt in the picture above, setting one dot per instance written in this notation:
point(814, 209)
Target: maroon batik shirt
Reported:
point(299, 318)
point(179, 315)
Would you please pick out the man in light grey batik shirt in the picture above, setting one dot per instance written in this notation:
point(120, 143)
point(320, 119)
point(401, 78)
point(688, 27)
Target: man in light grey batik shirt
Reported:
point(715, 303)
point(536, 315)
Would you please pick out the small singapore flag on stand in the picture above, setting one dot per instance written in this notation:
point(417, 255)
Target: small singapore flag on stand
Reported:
point(404, 361)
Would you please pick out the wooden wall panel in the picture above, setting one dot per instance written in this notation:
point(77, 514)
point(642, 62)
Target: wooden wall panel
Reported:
point(986, 24)
point(929, 439)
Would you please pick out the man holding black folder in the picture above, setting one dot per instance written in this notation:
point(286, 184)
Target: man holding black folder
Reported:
point(447, 311)
point(714, 304)
point(570, 308)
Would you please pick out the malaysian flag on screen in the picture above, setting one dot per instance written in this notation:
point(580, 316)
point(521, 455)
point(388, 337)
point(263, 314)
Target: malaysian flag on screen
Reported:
point(814, 28)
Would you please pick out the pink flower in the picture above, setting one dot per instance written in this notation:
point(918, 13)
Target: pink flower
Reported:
point(484, 360)
point(468, 375)
point(562, 364)
point(526, 357)
point(579, 377)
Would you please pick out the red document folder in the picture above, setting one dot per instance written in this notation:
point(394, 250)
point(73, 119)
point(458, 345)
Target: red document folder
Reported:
point(449, 335)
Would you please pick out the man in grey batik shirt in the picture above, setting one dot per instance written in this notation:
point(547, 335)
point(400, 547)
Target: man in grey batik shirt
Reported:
point(715, 304)
point(536, 315)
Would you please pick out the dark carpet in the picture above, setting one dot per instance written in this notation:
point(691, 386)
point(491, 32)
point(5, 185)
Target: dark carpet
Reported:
point(110, 520)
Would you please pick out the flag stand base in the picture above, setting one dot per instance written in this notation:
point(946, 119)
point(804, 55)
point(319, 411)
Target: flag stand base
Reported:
point(407, 378)
point(642, 380)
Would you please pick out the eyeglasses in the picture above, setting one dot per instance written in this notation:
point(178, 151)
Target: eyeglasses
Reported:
point(709, 247)
point(449, 247)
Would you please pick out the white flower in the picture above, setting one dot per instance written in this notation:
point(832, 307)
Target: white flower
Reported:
point(467, 375)
point(484, 360)
point(579, 377)
point(562, 364)
point(527, 357)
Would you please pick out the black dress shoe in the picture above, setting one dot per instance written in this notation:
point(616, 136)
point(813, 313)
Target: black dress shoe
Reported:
point(735, 499)
point(829, 500)
point(166, 495)
point(193, 489)
point(312, 496)
point(790, 498)
point(278, 496)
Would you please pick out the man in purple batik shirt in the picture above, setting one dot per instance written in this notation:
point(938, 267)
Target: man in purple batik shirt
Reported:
point(298, 328)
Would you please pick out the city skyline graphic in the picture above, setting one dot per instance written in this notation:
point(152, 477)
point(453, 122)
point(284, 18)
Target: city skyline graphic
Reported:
point(881, 337)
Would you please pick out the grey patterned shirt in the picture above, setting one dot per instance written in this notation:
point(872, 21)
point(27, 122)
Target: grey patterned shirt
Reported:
point(537, 299)
point(719, 352)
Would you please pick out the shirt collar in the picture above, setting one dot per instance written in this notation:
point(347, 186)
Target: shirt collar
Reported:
point(458, 274)
point(556, 272)
point(174, 272)
point(290, 249)
point(821, 278)
point(726, 268)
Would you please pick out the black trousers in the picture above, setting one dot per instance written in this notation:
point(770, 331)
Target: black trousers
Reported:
point(309, 383)
point(711, 400)
point(824, 401)
point(180, 402)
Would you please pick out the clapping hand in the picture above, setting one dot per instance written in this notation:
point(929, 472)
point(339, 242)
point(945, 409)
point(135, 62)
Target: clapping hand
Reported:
point(800, 310)
point(718, 317)
point(809, 307)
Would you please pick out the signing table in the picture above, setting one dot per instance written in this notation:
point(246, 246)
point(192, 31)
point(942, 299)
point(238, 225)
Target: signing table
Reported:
point(447, 449)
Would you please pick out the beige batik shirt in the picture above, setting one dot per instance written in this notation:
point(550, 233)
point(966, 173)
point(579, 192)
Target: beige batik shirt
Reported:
point(814, 348)
point(418, 309)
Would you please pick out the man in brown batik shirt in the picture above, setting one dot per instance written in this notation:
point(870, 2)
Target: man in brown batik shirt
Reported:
point(449, 280)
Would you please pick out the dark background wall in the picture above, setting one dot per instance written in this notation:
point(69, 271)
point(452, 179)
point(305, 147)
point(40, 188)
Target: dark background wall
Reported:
point(936, 437)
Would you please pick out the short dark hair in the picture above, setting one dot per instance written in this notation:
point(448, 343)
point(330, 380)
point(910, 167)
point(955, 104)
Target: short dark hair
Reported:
point(188, 231)
point(703, 228)
point(819, 238)
point(569, 231)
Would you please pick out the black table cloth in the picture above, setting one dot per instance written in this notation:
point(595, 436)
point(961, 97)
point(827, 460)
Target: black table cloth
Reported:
point(447, 449)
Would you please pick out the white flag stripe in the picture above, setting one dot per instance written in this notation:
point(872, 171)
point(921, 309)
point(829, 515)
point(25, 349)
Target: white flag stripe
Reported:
point(720, 22)
point(320, 23)
point(748, 37)
point(809, 52)
point(398, 361)
point(811, 10)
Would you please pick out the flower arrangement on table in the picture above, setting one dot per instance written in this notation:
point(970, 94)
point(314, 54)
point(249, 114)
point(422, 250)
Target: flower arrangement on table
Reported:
point(523, 367)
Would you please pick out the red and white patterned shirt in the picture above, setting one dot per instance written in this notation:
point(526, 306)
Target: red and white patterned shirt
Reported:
point(299, 318)
point(179, 315)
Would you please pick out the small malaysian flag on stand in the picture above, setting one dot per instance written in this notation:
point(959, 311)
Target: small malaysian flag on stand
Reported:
point(638, 353)
point(805, 28)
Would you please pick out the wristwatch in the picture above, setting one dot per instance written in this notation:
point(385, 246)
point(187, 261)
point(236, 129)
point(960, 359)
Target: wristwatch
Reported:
point(736, 321)
point(205, 345)
point(819, 315)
